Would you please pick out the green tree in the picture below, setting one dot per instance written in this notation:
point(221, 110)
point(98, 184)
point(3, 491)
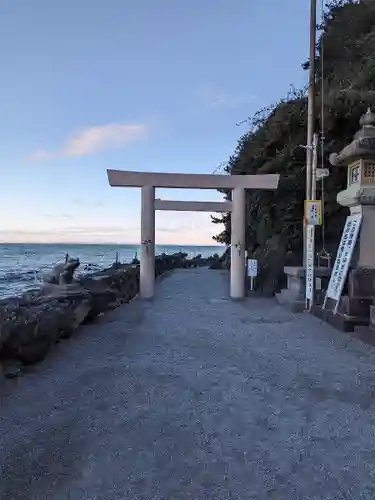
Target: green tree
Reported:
point(272, 143)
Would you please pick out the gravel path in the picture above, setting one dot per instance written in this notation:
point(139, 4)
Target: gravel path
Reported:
point(194, 397)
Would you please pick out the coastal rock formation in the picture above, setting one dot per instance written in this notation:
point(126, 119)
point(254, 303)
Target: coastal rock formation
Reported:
point(30, 325)
point(63, 272)
point(109, 288)
point(199, 261)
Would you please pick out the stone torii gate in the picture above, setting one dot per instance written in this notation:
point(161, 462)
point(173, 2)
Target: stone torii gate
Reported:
point(148, 181)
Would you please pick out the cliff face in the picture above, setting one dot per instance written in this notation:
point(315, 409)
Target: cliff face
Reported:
point(274, 220)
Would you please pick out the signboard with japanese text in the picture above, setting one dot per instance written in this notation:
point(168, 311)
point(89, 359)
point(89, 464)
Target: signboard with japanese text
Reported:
point(343, 257)
point(310, 249)
point(313, 212)
point(252, 267)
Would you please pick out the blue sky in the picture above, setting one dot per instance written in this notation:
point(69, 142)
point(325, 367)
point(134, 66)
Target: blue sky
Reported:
point(143, 85)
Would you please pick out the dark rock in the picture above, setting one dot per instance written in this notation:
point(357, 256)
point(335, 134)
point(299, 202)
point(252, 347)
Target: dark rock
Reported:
point(30, 325)
point(63, 272)
point(216, 264)
point(107, 289)
point(8, 315)
point(91, 267)
point(33, 326)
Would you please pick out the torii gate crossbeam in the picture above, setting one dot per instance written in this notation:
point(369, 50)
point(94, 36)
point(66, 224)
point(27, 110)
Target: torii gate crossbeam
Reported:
point(193, 206)
point(148, 181)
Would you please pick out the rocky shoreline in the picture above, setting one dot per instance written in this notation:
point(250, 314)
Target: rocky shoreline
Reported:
point(30, 325)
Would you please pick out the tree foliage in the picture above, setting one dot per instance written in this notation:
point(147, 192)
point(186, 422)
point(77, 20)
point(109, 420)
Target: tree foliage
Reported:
point(272, 142)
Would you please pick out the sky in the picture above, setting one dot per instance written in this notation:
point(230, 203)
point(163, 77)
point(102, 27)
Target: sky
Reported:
point(141, 85)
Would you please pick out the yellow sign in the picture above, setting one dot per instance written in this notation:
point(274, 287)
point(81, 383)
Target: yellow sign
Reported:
point(313, 212)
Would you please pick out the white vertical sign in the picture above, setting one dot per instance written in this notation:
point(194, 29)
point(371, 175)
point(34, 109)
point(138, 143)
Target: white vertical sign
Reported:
point(252, 271)
point(343, 257)
point(252, 267)
point(310, 257)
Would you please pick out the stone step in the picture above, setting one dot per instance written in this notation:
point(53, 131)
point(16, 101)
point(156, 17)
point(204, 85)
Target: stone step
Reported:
point(340, 321)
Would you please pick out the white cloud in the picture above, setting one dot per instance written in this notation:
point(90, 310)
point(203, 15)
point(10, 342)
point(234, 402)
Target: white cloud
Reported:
point(69, 234)
point(182, 231)
point(95, 139)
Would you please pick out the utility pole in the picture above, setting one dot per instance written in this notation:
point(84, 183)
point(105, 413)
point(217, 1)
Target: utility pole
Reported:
point(310, 112)
point(314, 165)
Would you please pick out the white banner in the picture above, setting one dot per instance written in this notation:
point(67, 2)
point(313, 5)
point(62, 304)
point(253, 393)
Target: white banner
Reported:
point(310, 258)
point(252, 267)
point(344, 256)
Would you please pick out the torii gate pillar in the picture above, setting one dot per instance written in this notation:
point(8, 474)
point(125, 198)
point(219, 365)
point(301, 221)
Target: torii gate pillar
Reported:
point(237, 262)
point(147, 260)
point(149, 180)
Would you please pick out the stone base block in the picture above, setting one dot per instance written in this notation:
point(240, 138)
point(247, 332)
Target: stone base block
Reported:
point(372, 318)
point(285, 298)
point(340, 321)
point(355, 307)
point(361, 283)
point(294, 295)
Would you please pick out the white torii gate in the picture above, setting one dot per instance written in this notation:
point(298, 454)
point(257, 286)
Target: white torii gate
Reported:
point(148, 181)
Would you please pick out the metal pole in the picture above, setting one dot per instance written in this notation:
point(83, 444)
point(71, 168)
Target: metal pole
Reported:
point(310, 110)
point(311, 99)
point(314, 165)
point(311, 244)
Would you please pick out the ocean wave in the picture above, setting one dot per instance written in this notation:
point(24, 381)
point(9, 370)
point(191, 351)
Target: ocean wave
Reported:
point(85, 268)
point(37, 275)
point(14, 276)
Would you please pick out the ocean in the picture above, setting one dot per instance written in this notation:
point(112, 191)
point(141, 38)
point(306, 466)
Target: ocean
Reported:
point(22, 266)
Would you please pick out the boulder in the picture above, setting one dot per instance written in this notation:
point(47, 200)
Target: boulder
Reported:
point(8, 315)
point(32, 323)
point(216, 264)
point(63, 272)
point(29, 327)
point(110, 288)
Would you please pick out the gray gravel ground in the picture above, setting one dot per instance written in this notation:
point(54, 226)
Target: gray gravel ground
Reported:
point(194, 397)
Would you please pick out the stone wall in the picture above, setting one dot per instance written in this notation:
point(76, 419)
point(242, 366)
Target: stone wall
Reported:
point(30, 325)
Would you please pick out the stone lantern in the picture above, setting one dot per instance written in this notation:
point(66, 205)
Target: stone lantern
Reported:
point(359, 159)
point(359, 196)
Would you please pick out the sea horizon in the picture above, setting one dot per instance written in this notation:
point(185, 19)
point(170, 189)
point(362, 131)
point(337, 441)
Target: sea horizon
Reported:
point(22, 265)
point(110, 244)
